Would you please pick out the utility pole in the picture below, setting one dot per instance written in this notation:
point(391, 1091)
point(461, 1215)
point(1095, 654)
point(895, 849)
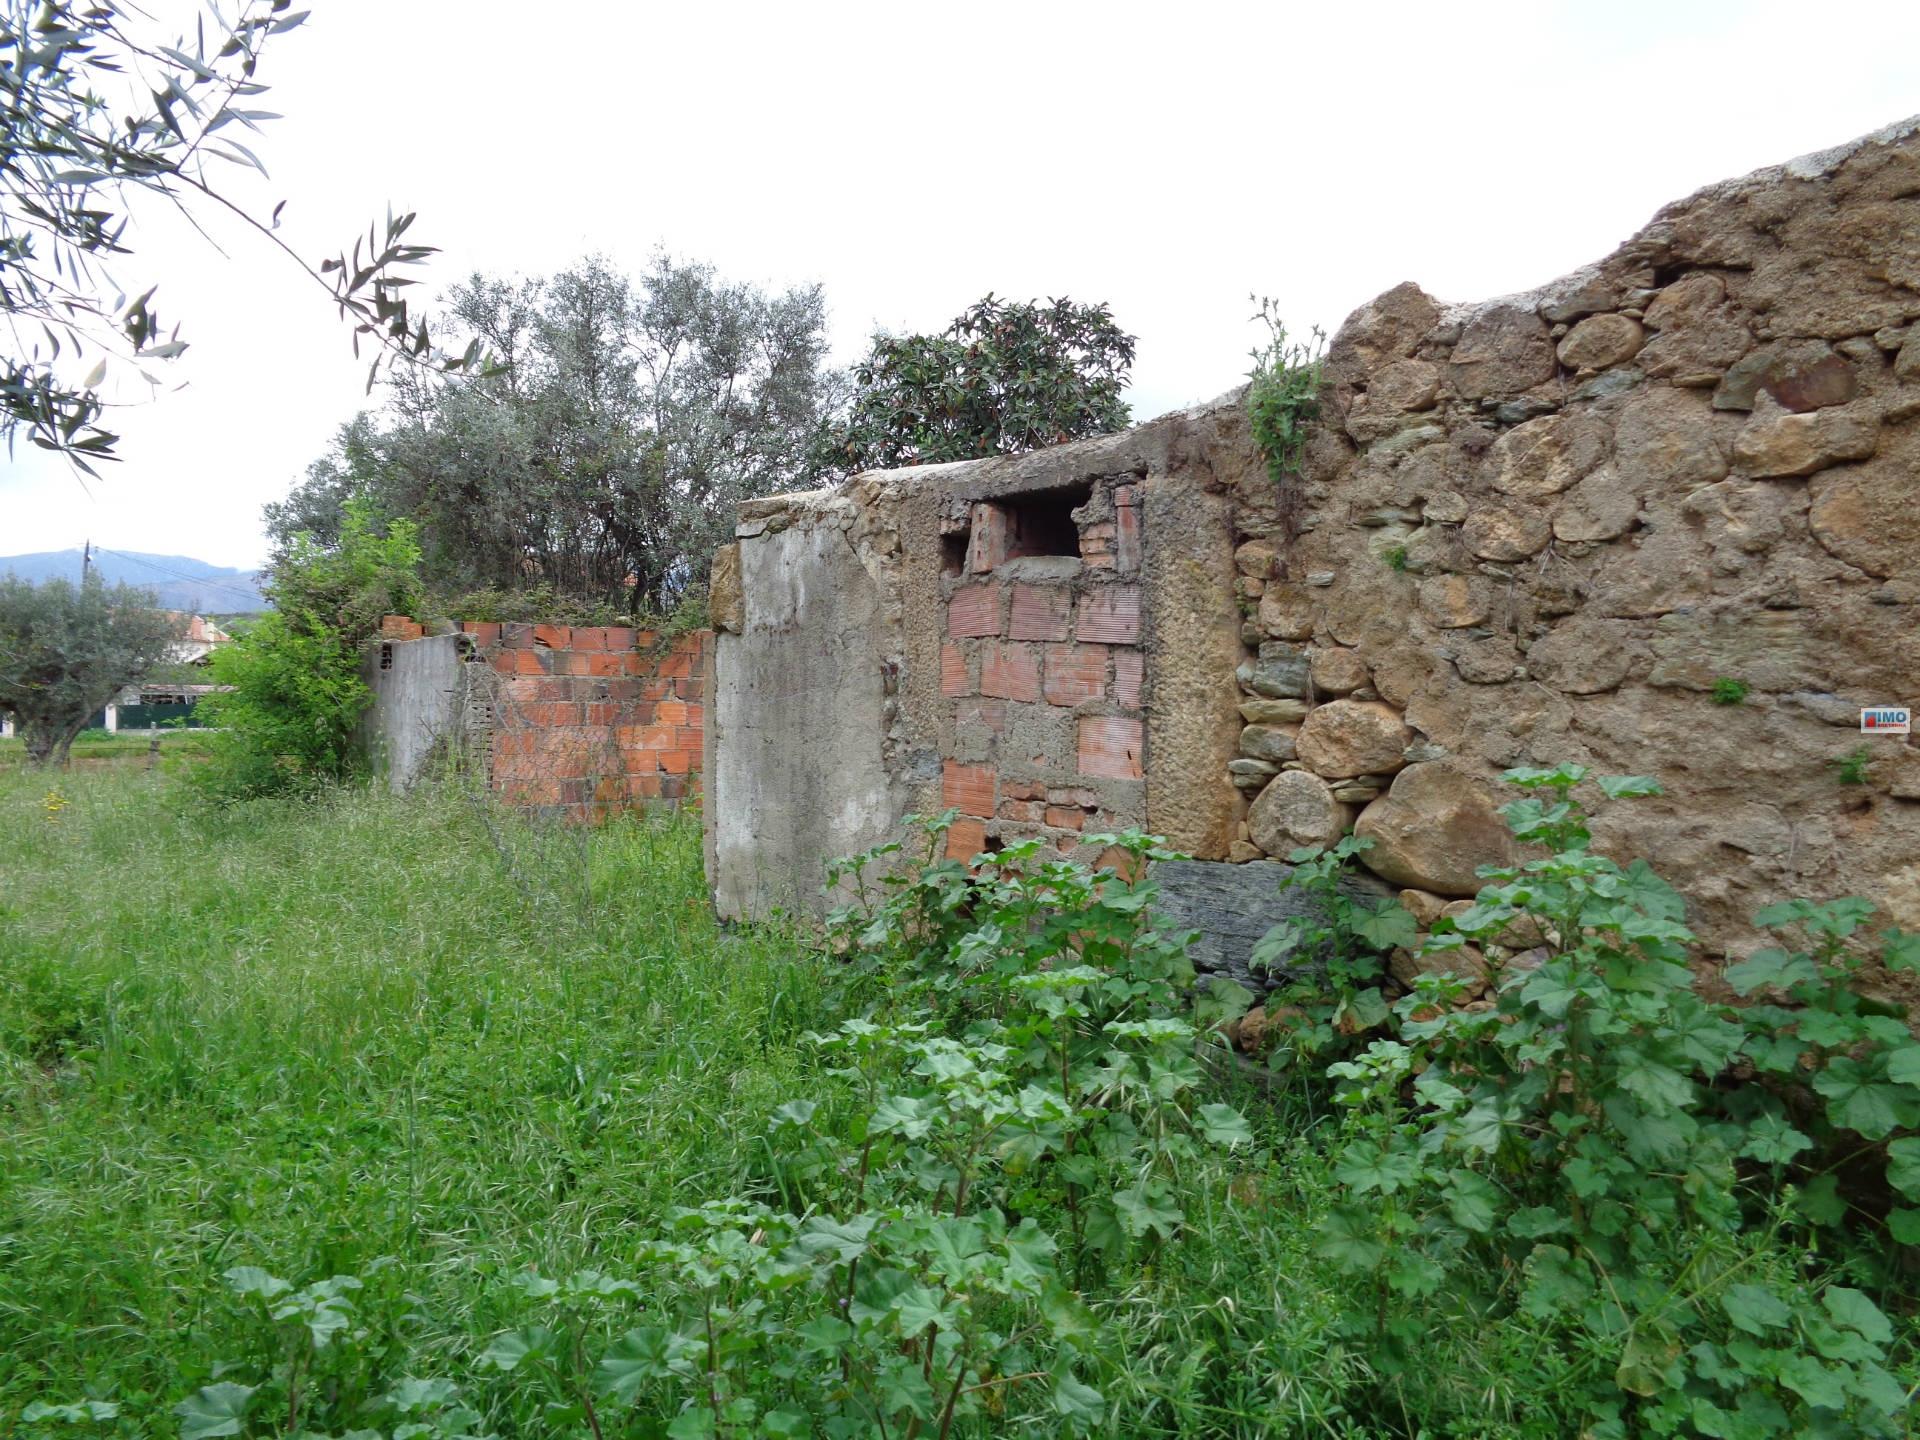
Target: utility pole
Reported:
point(86, 561)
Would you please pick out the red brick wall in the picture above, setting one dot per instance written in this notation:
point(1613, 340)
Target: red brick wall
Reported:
point(589, 720)
point(1042, 670)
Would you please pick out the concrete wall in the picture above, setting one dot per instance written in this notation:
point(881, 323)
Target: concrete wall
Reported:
point(800, 705)
point(419, 703)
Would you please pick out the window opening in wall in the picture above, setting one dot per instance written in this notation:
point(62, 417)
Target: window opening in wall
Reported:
point(386, 657)
point(1042, 523)
point(953, 551)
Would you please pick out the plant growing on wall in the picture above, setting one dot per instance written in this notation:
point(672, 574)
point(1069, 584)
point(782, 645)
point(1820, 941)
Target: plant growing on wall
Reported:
point(1283, 395)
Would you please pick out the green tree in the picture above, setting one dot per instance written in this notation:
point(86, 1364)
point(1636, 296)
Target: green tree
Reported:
point(622, 423)
point(66, 650)
point(96, 111)
point(288, 722)
point(1002, 379)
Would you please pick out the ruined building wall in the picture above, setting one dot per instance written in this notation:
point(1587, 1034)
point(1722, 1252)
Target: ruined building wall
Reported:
point(573, 721)
point(1533, 530)
point(1540, 529)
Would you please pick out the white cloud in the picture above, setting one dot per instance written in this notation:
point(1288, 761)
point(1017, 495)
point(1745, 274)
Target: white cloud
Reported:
point(1168, 160)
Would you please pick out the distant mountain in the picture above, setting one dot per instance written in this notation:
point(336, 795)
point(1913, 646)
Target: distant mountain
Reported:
point(178, 582)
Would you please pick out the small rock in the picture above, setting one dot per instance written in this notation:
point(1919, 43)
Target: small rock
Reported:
point(1423, 905)
point(1296, 809)
point(1267, 742)
point(1601, 507)
point(1275, 675)
point(1463, 962)
point(1256, 558)
point(1584, 657)
point(1252, 769)
point(1600, 342)
point(1273, 712)
point(1613, 382)
point(1507, 532)
point(1453, 602)
point(1285, 612)
point(1492, 661)
point(1543, 457)
point(1793, 444)
point(1701, 333)
point(1584, 298)
point(1320, 579)
point(1906, 365)
point(1346, 738)
point(1337, 672)
point(1444, 507)
point(1352, 792)
point(1869, 515)
point(1241, 851)
point(1502, 351)
point(1515, 412)
point(1665, 436)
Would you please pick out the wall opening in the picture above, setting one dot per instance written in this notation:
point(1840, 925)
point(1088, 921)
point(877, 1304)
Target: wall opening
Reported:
point(386, 657)
point(953, 552)
point(1042, 523)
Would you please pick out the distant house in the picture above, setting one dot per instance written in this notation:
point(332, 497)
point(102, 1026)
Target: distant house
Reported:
point(202, 637)
point(156, 703)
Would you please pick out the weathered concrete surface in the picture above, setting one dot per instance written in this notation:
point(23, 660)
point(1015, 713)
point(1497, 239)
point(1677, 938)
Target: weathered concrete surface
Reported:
point(796, 774)
point(419, 704)
point(1193, 645)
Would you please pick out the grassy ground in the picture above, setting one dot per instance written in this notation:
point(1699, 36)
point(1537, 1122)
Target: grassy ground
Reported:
point(309, 1036)
point(93, 749)
point(416, 1042)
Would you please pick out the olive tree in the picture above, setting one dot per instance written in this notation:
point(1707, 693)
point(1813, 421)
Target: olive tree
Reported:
point(66, 650)
point(603, 454)
point(99, 113)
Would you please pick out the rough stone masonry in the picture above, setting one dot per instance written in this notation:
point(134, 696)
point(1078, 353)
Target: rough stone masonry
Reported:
point(1538, 529)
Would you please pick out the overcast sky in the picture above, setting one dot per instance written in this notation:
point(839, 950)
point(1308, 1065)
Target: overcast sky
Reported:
point(1167, 159)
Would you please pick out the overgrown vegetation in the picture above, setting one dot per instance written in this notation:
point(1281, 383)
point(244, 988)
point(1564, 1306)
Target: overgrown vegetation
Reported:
point(1283, 396)
point(425, 1123)
point(287, 723)
point(602, 457)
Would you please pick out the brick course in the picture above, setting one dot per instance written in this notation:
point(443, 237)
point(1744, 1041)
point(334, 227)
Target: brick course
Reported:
point(588, 720)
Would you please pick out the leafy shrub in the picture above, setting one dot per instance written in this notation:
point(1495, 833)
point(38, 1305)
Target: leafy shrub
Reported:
point(288, 722)
point(1728, 691)
point(1334, 956)
point(1574, 1152)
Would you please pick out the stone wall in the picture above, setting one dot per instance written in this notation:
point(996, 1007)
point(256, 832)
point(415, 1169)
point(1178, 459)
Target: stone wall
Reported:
point(573, 721)
point(1544, 527)
point(1533, 530)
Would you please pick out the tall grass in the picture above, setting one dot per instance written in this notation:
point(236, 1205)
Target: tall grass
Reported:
point(312, 1035)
